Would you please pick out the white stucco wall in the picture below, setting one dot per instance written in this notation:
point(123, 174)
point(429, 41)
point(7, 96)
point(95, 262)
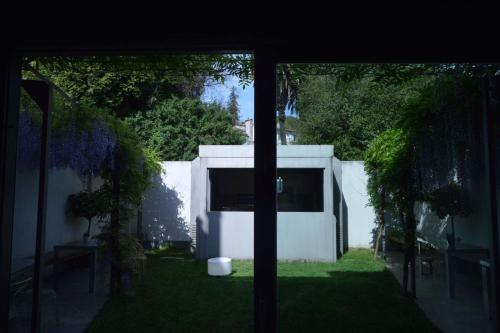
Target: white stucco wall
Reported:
point(60, 228)
point(361, 217)
point(167, 208)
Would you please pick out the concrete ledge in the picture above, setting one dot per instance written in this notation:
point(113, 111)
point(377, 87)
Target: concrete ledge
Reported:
point(296, 151)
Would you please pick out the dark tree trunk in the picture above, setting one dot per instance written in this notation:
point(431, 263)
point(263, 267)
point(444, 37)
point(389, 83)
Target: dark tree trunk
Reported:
point(406, 258)
point(286, 95)
point(139, 224)
point(381, 219)
point(114, 230)
point(409, 256)
point(281, 120)
point(411, 248)
point(405, 271)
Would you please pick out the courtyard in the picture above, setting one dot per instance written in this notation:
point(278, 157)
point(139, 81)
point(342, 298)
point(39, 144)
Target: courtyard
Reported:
point(356, 294)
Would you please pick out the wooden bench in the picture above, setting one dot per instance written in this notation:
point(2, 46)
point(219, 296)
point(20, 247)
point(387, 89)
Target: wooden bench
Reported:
point(465, 253)
point(80, 248)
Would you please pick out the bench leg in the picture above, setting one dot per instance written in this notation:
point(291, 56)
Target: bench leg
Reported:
point(92, 272)
point(56, 268)
point(450, 274)
point(486, 290)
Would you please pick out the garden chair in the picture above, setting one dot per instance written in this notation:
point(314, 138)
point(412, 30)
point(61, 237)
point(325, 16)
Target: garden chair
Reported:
point(425, 255)
point(21, 296)
point(138, 260)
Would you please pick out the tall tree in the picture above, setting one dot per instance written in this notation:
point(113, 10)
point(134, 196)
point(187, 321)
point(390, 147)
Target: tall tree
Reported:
point(233, 107)
point(349, 116)
point(286, 96)
point(126, 85)
point(176, 127)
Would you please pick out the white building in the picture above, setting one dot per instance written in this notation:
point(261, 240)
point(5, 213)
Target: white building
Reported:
point(247, 127)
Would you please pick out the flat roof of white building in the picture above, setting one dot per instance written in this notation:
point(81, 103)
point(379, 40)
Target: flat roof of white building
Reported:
point(283, 151)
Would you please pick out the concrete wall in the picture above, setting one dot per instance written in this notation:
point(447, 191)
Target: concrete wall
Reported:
point(361, 217)
point(166, 210)
point(338, 207)
point(60, 228)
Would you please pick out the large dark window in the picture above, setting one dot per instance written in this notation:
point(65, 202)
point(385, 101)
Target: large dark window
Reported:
point(233, 190)
point(302, 190)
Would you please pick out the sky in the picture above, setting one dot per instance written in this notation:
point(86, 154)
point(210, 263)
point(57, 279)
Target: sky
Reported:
point(221, 93)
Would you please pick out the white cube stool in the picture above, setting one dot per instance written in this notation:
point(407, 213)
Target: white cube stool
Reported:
point(219, 266)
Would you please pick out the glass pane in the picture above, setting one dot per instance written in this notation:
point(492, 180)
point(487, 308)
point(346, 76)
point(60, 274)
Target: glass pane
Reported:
point(231, 189)
point(301, 190)
point(383, 219)
point(127, 241)
point(25, 220)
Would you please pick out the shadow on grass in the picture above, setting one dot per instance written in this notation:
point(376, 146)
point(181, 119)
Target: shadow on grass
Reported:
point(178, 296)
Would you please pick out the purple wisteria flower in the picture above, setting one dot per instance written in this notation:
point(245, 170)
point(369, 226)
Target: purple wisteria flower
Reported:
point(82, 148)
point(28, 141)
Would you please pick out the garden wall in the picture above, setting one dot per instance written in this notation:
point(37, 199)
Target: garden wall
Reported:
point(166, 211)
point(59, 228)
point(172, 205)
point(360, 216)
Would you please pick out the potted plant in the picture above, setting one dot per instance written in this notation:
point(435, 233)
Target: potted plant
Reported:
point(449, 200)
point(88, 204)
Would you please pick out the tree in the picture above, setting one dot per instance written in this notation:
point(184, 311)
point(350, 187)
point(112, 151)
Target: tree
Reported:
point(449, 200)
point(351, 115)
point(286, 96)
point(291, 76)
point(176, 127)
point(125, 85)
point(232, 106)
point(389, 163)
point(88, 204)
point(433, 145)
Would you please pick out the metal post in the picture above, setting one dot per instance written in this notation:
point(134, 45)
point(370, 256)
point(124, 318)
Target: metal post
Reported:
point(265, 298)
point(490, 118)
point(42, 95)
point(10, 76)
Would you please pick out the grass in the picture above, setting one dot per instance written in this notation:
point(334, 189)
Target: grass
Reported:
point(356, 294)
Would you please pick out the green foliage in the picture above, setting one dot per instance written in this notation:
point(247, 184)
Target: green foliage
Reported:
point(292, 123)
point(428, 129)
point(388, 164)
point(137, 163)
point(132, 164)
point(349, 116)
point(125, 84)
point(88, 204)
point(391, 74)
point(449, 200)
point(127, 173)
point(176, 127)
point(232, 106)
point(430, 153)
point(124, 247)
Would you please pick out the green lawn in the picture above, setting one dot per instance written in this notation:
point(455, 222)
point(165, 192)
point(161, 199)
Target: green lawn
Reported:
point(356, 294)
